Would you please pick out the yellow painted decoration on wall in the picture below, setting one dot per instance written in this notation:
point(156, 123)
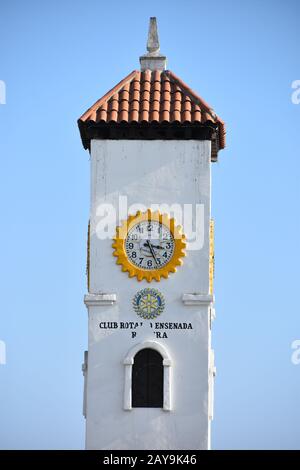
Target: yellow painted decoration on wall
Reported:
point(211, 256)
point(88, 256)
point(149, 245)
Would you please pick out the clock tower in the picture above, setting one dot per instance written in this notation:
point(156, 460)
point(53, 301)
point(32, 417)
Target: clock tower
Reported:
point(149, 368)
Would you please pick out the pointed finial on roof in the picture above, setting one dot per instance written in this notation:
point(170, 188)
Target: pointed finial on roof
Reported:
point(153, 41)
point(153, 60)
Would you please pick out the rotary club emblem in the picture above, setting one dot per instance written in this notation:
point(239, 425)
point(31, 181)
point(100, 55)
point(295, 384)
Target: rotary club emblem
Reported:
point(148, 303)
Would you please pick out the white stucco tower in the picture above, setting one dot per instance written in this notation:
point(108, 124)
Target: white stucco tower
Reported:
point(149, 368)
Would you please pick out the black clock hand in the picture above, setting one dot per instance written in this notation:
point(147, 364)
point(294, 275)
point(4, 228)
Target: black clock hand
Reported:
point(152, 252)
point(155, 246)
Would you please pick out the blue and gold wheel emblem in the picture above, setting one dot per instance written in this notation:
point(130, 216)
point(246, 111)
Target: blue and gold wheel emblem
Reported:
point(148, 303)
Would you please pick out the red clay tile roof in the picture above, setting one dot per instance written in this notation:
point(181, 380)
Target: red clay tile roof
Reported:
point(158, 97)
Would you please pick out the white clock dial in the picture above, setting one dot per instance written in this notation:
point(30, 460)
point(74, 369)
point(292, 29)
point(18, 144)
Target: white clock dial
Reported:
point(149, 245)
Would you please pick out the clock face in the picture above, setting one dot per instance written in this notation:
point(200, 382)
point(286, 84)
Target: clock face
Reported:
point(149, 245)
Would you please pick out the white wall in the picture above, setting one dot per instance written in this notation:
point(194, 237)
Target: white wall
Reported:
point(148, 172)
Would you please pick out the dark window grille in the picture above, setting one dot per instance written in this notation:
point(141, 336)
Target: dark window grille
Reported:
point(147, 379)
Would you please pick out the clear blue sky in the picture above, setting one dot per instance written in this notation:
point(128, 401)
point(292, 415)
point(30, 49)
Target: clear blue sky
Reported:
point(56, 59)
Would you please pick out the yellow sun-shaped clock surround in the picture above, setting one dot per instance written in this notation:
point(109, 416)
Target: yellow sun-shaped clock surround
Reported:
point(153, 274)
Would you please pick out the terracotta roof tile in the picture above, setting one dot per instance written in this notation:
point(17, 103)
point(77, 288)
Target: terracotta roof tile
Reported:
point(153, 97)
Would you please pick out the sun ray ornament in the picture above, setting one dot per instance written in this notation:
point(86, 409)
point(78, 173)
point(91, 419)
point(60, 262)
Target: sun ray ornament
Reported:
point(149, 245)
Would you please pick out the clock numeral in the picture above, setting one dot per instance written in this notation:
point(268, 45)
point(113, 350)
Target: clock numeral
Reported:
point(165, 255)
point(149, 263)
point(133, 254)
point(168, 246)
point(130, 246)
point(158, 260)
point(141, 260)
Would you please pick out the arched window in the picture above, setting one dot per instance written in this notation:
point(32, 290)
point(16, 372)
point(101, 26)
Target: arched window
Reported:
point(147, 379)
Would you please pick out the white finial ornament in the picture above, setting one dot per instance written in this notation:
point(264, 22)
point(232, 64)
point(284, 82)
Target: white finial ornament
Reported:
point(153, 60)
